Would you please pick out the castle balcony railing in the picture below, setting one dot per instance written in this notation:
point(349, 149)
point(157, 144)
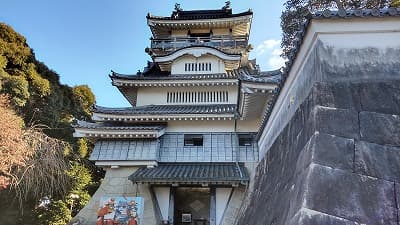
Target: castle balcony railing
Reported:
point(221, 41)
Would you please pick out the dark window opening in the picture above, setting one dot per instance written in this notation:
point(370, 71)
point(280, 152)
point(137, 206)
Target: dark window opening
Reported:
point(193, 140)
point(203, 35)
point(245, 140)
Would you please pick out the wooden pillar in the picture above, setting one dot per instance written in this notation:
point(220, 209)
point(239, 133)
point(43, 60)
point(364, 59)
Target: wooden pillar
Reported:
point(213, 207)
point(171, 209)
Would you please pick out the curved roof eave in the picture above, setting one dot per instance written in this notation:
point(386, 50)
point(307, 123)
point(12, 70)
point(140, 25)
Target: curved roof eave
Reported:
point(202, 17)
point(197, 51)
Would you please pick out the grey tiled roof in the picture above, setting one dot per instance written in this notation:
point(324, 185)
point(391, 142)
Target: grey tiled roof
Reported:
point(273, 77)
point(174, 77)
point(201, 14)
point(111, 126)
point(270, 77)
point(356, 13)
point(169, 109)
point(124, 150)
point(192, 173)
point(327, 14)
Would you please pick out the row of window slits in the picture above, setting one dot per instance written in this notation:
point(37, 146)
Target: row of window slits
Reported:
point(197, 66)
point(194, 97)
point(197, 140)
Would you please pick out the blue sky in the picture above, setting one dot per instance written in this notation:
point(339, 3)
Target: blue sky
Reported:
point(83, 40)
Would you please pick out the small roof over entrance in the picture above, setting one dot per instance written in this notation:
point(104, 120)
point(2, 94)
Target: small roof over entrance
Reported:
point(192, 173)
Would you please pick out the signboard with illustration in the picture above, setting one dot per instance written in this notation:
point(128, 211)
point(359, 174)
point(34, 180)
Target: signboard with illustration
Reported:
point(120, 211)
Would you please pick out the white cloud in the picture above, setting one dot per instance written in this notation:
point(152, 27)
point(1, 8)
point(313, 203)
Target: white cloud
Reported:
point(270, 50)
point(267, 45)
point(275, 60)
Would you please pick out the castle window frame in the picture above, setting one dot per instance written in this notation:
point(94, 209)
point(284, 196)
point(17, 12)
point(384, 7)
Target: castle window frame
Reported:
point(193, 140)
point(245, 140)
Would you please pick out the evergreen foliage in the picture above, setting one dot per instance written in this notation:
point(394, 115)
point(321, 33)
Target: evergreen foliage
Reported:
point(396, 3)
point(39, 100)
point(296, 11)
point(84, 97)
point(56, 212)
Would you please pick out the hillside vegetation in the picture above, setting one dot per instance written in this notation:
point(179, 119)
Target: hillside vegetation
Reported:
point(45, 177)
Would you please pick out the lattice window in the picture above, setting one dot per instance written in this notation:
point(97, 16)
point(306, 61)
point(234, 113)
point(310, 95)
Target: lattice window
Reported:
point(197, 97)
point(203, 66)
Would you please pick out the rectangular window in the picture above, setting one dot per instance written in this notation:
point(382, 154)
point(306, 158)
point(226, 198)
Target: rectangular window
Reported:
point(245, 140)
point(186, 65)
point(193, 140)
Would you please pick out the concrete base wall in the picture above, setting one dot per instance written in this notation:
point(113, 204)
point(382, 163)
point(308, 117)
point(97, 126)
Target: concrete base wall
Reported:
point(116, 183)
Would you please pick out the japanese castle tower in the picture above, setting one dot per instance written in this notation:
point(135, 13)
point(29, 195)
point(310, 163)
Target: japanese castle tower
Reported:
point(187, 145)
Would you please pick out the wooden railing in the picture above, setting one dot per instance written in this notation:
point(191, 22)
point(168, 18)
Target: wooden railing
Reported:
point(213, 41)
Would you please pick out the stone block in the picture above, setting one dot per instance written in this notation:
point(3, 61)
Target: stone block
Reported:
point(381, 97)
point(356, 64)
point(342, 95)
point(328, 150)
point(308, 106)
point(339, 122)
point(311, 217)
point(377, 161)
point(380, 128)
point(397, 190)
point(350, 196)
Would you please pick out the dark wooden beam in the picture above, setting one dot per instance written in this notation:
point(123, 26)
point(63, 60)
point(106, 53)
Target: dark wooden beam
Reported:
point(213, 207)
point(171, 208)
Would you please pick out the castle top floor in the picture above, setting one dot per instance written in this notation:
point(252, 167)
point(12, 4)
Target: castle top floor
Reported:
point(214, 28)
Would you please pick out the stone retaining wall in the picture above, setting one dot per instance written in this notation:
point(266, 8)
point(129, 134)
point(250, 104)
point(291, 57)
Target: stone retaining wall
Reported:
point(336, 162)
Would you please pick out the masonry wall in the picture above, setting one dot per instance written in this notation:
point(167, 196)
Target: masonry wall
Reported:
point(116, 183)
point(336, 160)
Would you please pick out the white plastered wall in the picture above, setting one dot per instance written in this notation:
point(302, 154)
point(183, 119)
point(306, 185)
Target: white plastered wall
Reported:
point(158, 96)
point(248, 125)
point(201, 126)
point(217, 64)
point(221, 31)
point(179, 33)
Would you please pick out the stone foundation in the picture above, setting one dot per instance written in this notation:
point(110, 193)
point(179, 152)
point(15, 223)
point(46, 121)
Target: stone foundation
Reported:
point(336, 162)
point(116, 183)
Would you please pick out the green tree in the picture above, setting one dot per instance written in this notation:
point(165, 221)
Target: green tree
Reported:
point(18, 87)
point(83, 148)
point(84, 97)
point(57, 168)
point(81, 179)
point(56, 212)
point(296, 11)
point(396, 3)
